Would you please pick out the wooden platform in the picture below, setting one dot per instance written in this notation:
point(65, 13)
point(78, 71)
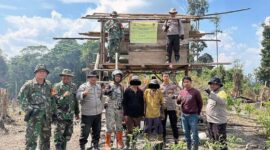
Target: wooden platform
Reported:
point(153, 68)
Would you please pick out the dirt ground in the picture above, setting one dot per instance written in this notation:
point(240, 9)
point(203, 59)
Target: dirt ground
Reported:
point(238, 126)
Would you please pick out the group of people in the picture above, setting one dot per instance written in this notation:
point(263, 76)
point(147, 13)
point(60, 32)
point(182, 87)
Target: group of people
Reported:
point(173, 28)
point(45, 104)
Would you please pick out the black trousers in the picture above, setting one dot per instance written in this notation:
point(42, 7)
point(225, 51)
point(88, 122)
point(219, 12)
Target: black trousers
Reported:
point(87, 123)
point(173, 44)
point(217, 132)
point(173, 121)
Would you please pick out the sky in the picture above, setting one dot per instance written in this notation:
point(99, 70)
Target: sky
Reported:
point(36, 22)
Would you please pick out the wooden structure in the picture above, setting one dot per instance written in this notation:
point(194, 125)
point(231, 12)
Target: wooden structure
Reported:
point(145, 57)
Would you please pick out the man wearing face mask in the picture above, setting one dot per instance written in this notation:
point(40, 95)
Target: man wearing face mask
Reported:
point(114, 112)
point(154, 112)
point(133, 105)
point(175, 31)
point(216, 113)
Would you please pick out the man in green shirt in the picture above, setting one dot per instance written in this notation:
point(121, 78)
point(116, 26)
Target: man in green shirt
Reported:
point(66, 107)
point(35, 98)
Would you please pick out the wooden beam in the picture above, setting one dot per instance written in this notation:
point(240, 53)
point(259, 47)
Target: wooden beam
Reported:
point(75, 38)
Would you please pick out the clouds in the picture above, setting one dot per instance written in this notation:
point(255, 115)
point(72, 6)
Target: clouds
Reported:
point(8, 7)
point(230, 50)
point(24, 31)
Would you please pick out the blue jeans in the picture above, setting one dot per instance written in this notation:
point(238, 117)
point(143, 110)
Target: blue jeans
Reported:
point(190, 125)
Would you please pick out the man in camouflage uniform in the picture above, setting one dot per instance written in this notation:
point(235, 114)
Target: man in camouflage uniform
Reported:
point(115, 35)
point(66, 106)
point(35, 98)
point(114, 112)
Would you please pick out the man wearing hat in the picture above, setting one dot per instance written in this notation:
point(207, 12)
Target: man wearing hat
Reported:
point(114, 113)
point(66, 106)
point(174, 30)
point(115, 34)
point(35, 98)
point(133, 106)
point(216, 113)
point(153, 98)
point(90, 96)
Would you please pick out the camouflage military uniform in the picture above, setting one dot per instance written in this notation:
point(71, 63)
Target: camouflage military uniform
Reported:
point(36, 101)
point(65, 109)
point(114, 111)
point(115, 34)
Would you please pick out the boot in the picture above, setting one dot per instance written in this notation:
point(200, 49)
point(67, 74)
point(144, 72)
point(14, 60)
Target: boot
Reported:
point(119, 138)
point(108, 141)
point(177, 58)
point(195, 147)
point(58, 147)
point(127, 143)
point(64, 145)
point(82, 147)
point(188, 146)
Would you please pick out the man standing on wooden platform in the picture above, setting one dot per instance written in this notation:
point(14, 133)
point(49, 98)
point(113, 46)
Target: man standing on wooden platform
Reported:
point(35, 98)
point(114, 112)
point(115, 34)
point(174, 30)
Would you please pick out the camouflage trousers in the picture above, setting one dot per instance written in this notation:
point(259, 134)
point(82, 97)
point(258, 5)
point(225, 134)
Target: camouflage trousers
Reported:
point(38, 126)
point(114, 118)
point(63, 131)
point(113, 46)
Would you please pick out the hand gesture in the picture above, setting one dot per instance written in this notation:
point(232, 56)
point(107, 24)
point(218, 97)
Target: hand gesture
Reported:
point(67, 93)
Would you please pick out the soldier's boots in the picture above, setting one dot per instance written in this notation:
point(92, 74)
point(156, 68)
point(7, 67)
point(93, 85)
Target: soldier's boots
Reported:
point(108, 141)
point(64, 145)
point(195, 147)
point(58, 147)
point(82, 147)
point(95, 147)
point(110, 60)
point(119, 139)
point(127, 143)
point(177, 58)
point(188, 146)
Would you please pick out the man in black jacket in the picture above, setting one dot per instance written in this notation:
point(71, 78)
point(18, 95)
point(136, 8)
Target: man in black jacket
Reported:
point(133, 106)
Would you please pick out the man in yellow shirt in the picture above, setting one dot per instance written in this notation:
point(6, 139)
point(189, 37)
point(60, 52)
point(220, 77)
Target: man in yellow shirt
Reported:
point(216, 113)
point(153, 98)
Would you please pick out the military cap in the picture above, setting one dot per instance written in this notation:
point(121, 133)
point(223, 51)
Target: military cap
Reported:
point(114, 13)
point(41, 67)
point(173, 11)
point(66, 72)
point(92, 74)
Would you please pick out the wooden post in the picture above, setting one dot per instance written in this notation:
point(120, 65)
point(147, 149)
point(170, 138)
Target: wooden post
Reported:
point(261, 96)
point(102, 50)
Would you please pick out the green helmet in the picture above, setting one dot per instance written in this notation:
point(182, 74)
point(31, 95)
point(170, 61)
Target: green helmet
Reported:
point(41, 67)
